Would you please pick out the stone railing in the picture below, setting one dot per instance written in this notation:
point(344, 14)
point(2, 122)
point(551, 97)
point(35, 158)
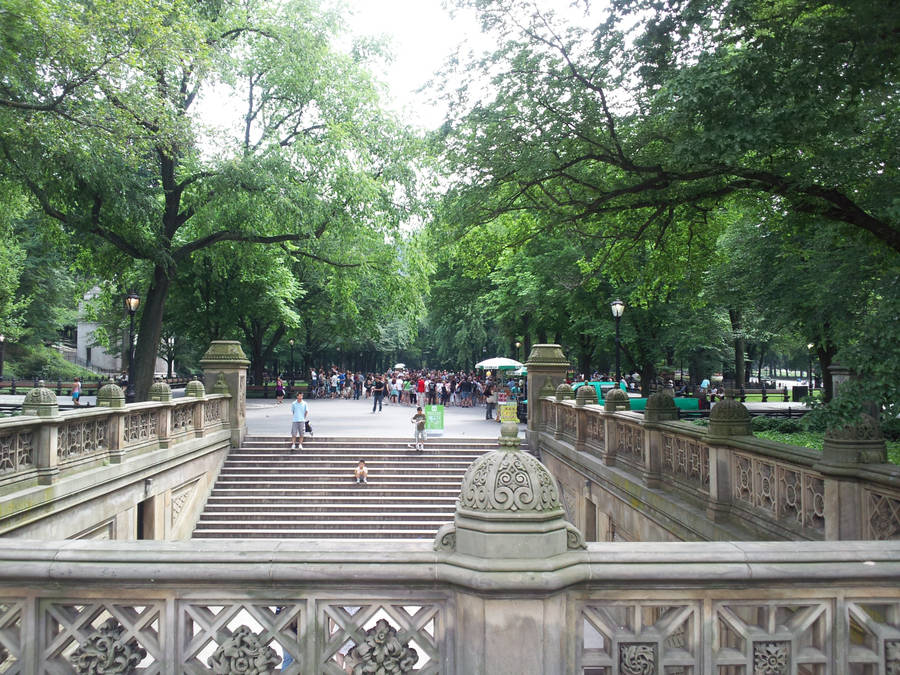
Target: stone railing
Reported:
point(757, 489)
point(38, 449)
point(348, 607)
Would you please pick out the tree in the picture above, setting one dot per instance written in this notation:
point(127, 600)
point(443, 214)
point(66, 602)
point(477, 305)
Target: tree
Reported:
point(632, 127)
point(100, 127)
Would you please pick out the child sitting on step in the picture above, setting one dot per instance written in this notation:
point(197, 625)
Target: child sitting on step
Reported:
point(361, 472)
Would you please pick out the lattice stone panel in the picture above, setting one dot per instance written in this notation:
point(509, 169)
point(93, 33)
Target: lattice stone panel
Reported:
point(11, 637)
point(183, 418)
point(212, 411)
point(567, 420)
point(630, 441)
point(70, 627)
point(882, 515)
point(686, 458)
point(81, 438)
point(640, 637)
point(16, 451)
point(548, 415)
point(344, 630)
point(773, 638)
point(207, 626)
point(784, 492)
point(596, 431)
point(874, 636)
point(141, 427)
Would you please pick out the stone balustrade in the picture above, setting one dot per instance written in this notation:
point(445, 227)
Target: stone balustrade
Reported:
point(665, 479)
point(192, 607)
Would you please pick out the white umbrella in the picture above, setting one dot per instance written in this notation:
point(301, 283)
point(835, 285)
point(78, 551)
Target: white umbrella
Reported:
point(399, 365)
point(498, 363)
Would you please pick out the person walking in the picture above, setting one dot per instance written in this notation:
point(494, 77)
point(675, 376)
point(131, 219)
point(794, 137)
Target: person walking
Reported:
point(418, 421)
point(378, 393)
point(279, 390)
point(300, 412)
point(76, 392)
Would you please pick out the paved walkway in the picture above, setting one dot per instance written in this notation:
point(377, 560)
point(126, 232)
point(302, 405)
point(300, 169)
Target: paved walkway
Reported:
point(349, 418)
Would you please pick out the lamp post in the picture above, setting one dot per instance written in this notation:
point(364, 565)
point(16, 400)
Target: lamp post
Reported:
point(617, 307)
point(2, 345)
point(170, 353)
point(518, 344)
point(291, 343)
point(132, 300)
point(812, 380)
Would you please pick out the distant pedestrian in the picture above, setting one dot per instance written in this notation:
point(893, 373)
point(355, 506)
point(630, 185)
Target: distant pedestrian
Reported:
point(418, 421)
point(279, 390)
point(378, 390)
point(76, 392)
point(300, 412)
point(361, 472)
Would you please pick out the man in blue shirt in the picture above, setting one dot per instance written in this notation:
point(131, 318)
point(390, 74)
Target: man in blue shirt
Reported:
point(300, 411)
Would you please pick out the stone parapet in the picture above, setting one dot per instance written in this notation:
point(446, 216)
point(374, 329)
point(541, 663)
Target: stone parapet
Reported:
point(701, 606)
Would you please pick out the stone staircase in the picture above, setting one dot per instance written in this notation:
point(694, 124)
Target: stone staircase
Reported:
point(264, 490)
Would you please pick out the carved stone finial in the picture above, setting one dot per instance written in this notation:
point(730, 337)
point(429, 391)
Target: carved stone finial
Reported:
point(40, 401)
point(195, 389)
point(243, 653)
point(858, 442)
point(547, 390)
point(111, 395)
point(586, 395)
point(564, 392)
point(160, 391)
point(660, 407)
point(616, 399)
point(382, 652)
point(105, 652)
point(729, 418)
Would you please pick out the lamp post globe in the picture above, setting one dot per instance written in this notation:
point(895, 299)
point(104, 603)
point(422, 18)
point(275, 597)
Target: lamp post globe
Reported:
point(132, 301)
point(2, 345)
point(518, 344)
point(617, 307)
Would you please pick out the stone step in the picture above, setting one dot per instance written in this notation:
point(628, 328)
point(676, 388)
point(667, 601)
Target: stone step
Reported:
point(328, 521)
point(373, 490)
point(315, 533)
point(227, 511)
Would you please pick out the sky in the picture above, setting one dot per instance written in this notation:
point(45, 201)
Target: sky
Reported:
point(422, 35)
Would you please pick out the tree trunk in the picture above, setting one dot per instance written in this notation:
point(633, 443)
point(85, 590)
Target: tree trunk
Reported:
point(149, 332)
point(648, 374)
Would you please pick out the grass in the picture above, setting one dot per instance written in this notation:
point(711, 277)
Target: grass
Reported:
point(813, 440)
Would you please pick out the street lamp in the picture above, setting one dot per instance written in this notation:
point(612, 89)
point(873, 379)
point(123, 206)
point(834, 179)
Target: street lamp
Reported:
point(132, 300)
point(291, 343)
point(812, 380)
point(618, 307)
point(2, 345)
point(170, 353)
point(518, 344)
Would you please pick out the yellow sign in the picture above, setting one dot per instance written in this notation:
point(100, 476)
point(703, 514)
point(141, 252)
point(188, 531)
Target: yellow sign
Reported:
point(508, 412)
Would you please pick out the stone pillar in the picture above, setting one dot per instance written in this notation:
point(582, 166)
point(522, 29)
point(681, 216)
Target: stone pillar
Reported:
point(726, 419)
point(547, 365)
point(41, 402)
point(843, 451)
point(111, 396)
point(509, 528)
point(227, 357)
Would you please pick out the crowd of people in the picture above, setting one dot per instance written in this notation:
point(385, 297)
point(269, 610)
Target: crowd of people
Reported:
point(416, 387)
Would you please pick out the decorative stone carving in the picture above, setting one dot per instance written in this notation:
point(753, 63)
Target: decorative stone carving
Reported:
point(195, 389)
point(883, 516)
point(546, 356)
point(660, 407)
point(160, 391)
point(445, 539)
point(892, 657)
point(221, 386)
point(564, 392)
point(383, 653)
point(586, 395)
point(729, 418)
point(224, 351)
point(616, 399)
point(40, 401)
point(508, 480)
point(16, 451)
point(637, 658)
point(574, 538)
point(861, 442)
point(243, 654)
point(771, 658)
point(547, 390)
point(105, 652)
point(111, 396)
